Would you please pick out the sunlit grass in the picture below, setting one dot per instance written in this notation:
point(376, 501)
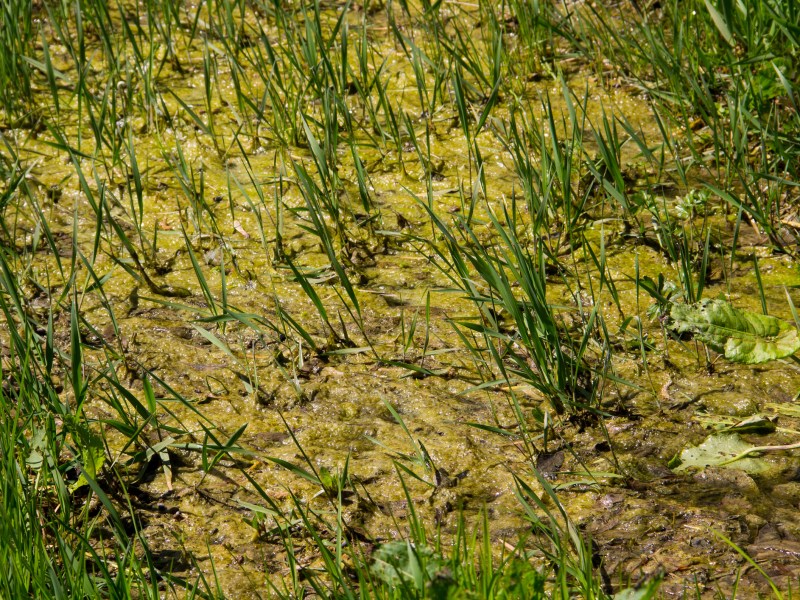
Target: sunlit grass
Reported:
point(150, 147)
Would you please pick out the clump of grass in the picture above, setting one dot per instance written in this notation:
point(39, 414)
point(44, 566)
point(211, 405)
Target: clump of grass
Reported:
point(720, 73)
point(52, 542)
point(522, 335)
point(17, 39)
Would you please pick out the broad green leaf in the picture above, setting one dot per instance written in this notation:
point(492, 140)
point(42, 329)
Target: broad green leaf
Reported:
point(644, 592)
point(38, 445)
point(92, 452)
point(740, 335)
point(397, 564)
point(718, 451)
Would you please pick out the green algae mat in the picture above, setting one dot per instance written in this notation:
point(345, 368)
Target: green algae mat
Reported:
point(399, 299)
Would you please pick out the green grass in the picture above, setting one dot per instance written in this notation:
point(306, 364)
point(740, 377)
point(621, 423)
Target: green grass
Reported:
point(238, 165)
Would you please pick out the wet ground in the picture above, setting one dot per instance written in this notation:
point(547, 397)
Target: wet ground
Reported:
point(611, 469)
